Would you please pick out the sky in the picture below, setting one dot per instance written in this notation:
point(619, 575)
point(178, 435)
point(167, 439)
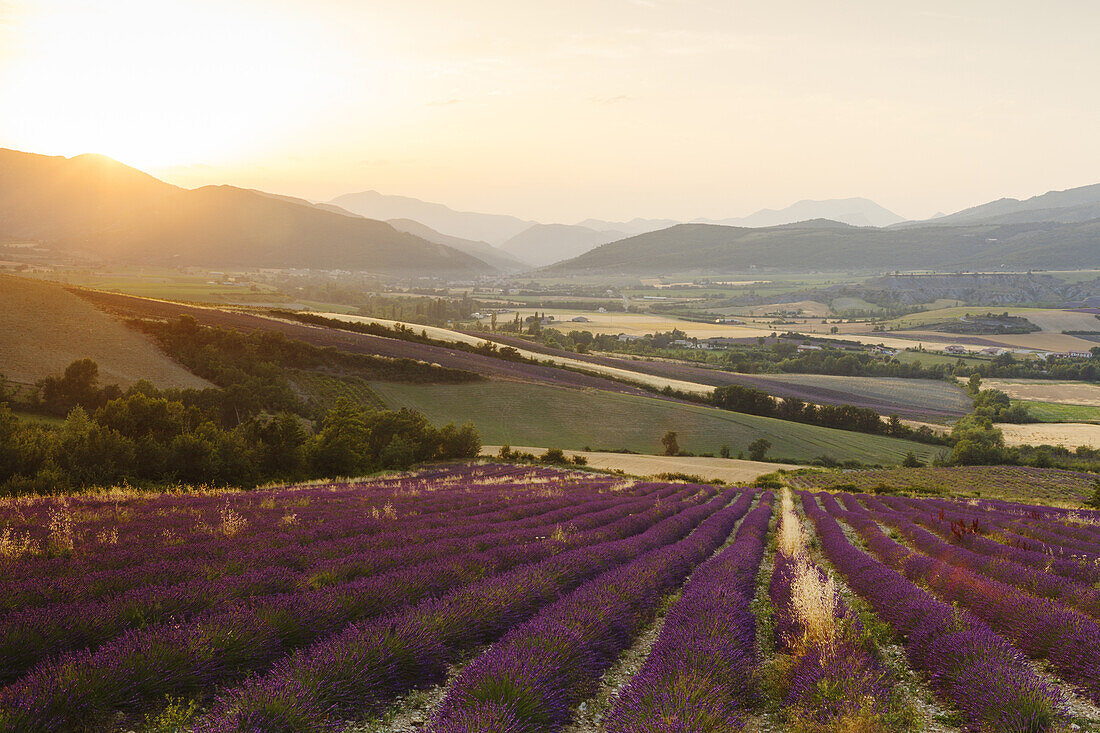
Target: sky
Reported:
point(562, 110)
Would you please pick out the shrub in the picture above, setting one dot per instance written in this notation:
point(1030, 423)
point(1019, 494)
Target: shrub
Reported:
point(758, 449)
point(1094, 500)
point(553, 455)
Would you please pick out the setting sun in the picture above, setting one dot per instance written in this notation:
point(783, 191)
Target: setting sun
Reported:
point(162, 84)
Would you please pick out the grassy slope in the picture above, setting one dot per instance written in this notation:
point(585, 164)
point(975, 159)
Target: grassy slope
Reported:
point(44, 328)
point(529, 414)
point(913, 393)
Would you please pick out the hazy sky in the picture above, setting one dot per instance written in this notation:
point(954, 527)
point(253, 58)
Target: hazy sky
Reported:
point(564, 109)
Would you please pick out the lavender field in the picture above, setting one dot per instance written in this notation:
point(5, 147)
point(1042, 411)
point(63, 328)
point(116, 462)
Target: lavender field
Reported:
point(509, 598)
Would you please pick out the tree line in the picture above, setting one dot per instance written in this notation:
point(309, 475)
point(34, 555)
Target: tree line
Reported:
point(144, 436)
point(251, 427)
point(738, 398)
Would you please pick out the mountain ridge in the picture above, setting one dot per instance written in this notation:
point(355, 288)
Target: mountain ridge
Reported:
point(822, 246)
point(97, 207)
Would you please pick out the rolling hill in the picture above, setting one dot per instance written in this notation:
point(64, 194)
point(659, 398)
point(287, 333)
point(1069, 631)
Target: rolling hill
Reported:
point(98, 208)
point(821, 245)
point(45, 328)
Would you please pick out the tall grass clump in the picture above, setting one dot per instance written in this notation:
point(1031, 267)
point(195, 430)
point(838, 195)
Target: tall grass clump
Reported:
point(826, 674)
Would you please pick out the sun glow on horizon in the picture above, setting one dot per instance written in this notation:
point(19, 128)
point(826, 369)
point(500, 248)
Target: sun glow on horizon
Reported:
point(162, 84)
point(561, 110)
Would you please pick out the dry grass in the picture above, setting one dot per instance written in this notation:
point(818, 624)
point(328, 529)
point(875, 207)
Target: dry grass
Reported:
point(386, 512)
point(232, 521)
point(62, 529)
point(1041, 390)
point(1069, 435)
point(17, 544)
point(45, 328)
point(813, 597)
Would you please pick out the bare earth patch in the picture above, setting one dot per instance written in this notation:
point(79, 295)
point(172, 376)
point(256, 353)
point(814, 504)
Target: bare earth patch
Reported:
point(729, 470)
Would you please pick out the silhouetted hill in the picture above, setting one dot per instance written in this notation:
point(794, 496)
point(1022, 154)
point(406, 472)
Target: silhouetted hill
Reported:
point(99, 207)
point(825, 246)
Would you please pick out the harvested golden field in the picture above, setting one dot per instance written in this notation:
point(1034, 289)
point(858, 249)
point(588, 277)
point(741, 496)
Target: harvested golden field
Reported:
point(639, 324)
point(44, 328)
point(1052, 321)
point(1042, 390)
point(809, 308)
point(1068, 434)
point(729, 470)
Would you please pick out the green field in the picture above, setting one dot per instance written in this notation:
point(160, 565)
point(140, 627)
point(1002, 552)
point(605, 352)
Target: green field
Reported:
point(326, 389)
point(189, 288)
point(932, 395)
point(1058, 412)
point(42, 419)
point(538, 415)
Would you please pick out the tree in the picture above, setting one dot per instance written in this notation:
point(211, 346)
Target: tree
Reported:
point(1094, 500)
point(974, 384)
point(724, 451)
point(672, 447)
point(758, 449)
point(911, 460)
point(339, 449)
point(457, 442)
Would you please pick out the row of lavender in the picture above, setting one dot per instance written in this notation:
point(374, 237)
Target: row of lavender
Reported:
point(539, 671)
point(353, 675)
point(344, 583)
point(699, 676)
point(970, 665)
point(81, 689)
point(160, 535)
point(1046, 616)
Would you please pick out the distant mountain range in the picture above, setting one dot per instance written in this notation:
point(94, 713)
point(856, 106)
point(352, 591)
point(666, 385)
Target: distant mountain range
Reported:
point(824, 246)
point(484, 251)
point(1070, 206)
point(492, 228)
point(94, 206)
point(543, 244)
point(858, 212)
point(97, 208)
